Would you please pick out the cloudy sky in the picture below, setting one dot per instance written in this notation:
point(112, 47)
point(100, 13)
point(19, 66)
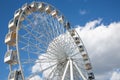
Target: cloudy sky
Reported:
point(102, 43)
point(97, 22)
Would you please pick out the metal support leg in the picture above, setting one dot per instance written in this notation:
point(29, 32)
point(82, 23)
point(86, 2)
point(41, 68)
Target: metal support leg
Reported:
point(71, 70)
point(79, 71)
point(10, 67)
point(66, 68)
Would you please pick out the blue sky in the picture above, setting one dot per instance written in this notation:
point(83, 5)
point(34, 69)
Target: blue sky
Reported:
point(78, 12)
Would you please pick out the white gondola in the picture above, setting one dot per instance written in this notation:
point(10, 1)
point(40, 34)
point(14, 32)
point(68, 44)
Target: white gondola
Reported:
point(91, 76)
point(26, 9)
point(85, 57)
point(48, 9)
point(67, 25)
point(41, 6)
point(77, 40)
point(61, 19)
point(17, 15)
point(72, 32)
point(10, 38)
point(88, 66)
point(24, 6)
point(81, 48)
point(12, 25)
point(10, 57)
point(14, 75)
point(54, 13)
point(33, 6)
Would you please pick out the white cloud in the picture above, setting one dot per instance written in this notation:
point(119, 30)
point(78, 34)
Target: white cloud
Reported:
point(116, 75)
point(83, 12)
point(36, 78)
point(103, 45)
point(90, 25)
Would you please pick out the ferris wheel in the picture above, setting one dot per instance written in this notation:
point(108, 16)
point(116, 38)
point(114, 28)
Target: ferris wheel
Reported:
point(40, 42)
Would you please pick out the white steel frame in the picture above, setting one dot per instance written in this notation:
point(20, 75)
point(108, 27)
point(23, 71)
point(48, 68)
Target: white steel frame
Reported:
point(61, 49)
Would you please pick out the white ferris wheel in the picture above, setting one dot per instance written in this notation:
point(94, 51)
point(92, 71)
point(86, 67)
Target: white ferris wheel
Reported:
point(41, 42)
